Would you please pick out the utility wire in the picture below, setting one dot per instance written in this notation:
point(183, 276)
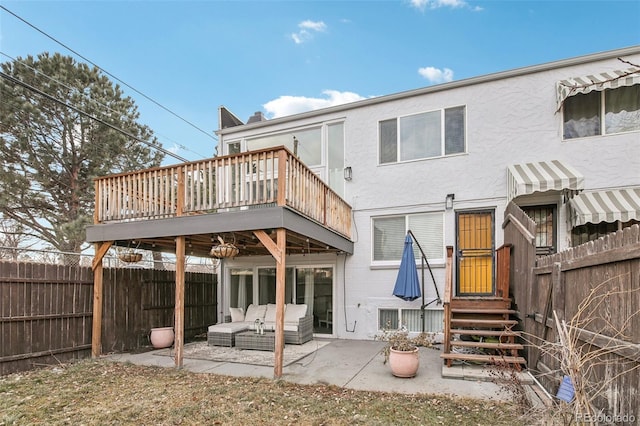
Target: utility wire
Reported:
point(86, 96)
point(78, 110)
point(109, 74)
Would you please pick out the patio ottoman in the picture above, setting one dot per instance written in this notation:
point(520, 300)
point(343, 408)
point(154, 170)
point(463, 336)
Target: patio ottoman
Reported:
point(225, 334)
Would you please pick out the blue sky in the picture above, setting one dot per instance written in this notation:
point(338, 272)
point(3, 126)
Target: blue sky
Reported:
point(283, 57)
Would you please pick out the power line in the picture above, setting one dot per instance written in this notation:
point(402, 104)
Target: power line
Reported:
point(85, 95)
point(109, 74)
point(78, 110)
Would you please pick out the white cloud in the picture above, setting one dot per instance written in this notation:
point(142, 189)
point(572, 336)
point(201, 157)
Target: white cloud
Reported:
point(307, 29)
point(313, 25)
point(436, 75)
point(288, 105)
point(435, 4)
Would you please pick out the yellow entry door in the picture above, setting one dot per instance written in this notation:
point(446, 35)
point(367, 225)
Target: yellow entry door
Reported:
point(475, 253)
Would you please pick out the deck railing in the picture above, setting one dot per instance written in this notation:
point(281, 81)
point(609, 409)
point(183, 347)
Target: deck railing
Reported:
point(271, 176)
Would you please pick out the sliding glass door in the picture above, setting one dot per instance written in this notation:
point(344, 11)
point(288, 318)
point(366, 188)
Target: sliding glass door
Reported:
point(310, 285)
point(314, 287)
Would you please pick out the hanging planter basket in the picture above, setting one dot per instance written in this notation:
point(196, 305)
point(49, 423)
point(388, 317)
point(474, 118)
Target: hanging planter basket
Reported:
point(130, 257)
point(224, 250)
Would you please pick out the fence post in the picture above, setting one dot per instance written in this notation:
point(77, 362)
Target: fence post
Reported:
point(558, 293)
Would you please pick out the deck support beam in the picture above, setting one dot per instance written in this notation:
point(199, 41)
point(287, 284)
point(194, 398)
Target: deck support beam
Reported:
point(179, 303)
point(96, 330)
point(278, 251)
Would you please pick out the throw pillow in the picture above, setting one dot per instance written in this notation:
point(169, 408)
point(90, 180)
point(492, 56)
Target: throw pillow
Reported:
point(237, 314)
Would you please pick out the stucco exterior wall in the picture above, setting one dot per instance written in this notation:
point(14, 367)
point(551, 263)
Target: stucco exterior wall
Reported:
point(508, 120)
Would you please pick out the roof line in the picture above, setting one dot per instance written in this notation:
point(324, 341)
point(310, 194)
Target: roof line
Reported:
point(441, 87)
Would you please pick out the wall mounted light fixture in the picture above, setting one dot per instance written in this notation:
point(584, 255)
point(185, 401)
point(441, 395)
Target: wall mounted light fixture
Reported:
point(348, 173)
point(448, 202)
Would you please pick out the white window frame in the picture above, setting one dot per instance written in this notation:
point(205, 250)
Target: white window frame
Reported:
point(442, 135)
point(601, 116)
point(392, 263)
point(322, 169)
point(400, 316)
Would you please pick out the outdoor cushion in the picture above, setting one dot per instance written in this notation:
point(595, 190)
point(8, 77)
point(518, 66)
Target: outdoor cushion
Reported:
point(288, 326)
point(228, 327)
point(255, 312)
point(270, 316)
point(237, 314)
point(294, 312)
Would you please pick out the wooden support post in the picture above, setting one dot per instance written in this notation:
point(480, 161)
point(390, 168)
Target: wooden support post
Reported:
point(178, 325)
point(280, 290)
point(558, 291)
point(96, 327)
point(278, 251)
point(448, 290)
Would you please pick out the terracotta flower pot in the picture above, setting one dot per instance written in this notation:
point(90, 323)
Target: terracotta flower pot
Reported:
point(404, 363)
point(162, 337)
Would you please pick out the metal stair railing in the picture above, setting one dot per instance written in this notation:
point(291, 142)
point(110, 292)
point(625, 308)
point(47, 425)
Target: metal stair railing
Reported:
point(423, 261)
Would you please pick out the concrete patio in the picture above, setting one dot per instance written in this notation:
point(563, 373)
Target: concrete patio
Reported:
point(353, 364)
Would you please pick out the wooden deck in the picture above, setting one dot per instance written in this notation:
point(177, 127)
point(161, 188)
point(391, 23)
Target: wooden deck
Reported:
point(269, 177)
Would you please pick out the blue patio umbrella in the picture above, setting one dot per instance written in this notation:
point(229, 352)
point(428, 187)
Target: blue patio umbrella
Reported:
point(407, 284)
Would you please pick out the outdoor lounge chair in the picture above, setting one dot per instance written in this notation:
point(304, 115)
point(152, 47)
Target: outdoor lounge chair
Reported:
point(298, 326)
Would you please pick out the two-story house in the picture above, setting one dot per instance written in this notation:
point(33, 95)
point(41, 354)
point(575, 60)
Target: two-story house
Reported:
point(323, 222)
point(562, 140)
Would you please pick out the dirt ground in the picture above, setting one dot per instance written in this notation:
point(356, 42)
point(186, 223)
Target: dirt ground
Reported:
point(102, 392)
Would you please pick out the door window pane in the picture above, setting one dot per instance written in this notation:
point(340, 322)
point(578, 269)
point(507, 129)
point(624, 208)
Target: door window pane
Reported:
point(336, 157)
point(309, 146)
point(241, 288)
point(314, 287)
point(544, 217)
point(267, 286)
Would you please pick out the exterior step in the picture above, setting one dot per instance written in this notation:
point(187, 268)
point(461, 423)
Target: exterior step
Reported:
point(485, 358)
point(487, 345)
point(480, 303)
point(484, 332)
point(483, 311)
point(472, 322)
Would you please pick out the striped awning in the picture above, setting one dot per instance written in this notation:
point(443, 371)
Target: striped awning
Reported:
point(525, 179)
point(599, 82)
point(605, 206)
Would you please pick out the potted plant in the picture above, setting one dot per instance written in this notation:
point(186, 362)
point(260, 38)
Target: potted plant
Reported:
point(401, 350)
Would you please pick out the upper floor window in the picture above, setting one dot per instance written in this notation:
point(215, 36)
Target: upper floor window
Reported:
point(389, 233)
point(304, 143)
point(320, 147)
point(602, 112)
point(425, 135)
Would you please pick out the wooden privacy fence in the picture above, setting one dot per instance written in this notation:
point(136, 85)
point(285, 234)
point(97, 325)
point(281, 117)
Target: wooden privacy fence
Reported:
point(595, 289)
point(46, 310)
